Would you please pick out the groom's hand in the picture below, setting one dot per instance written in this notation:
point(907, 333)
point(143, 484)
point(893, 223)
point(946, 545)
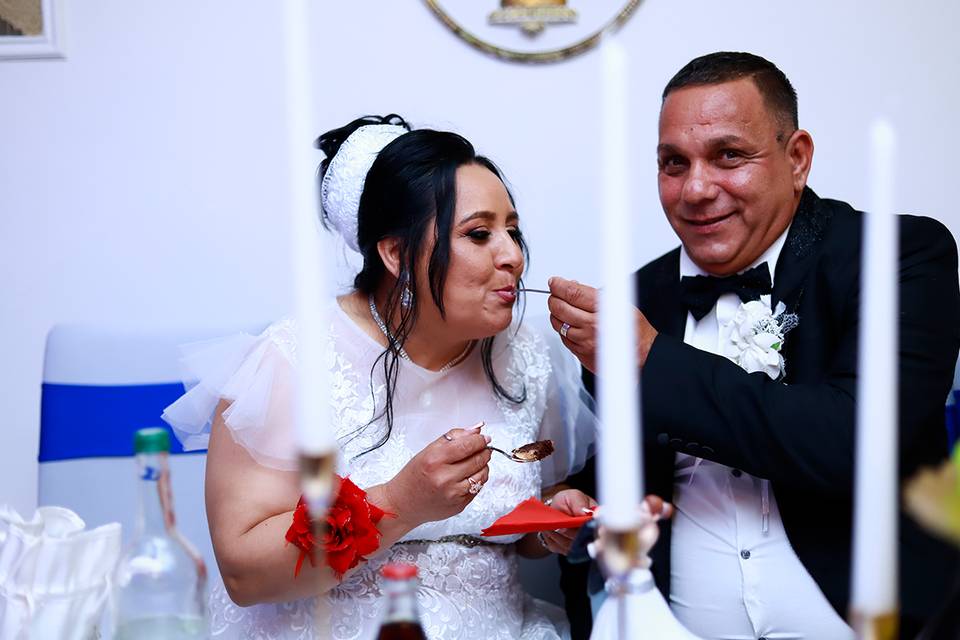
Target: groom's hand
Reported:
point(573, 314)
point(659, 508)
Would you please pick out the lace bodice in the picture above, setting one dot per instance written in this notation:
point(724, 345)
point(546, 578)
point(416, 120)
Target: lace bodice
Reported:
point(466, 592)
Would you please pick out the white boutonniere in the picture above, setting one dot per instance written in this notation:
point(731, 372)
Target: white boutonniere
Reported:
point(754, 337)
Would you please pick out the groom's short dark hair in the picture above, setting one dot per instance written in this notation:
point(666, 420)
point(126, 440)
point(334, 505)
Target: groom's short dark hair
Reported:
point(727, 66)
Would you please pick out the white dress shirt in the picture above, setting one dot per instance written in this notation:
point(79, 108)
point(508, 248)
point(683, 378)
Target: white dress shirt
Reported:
point(732, 575)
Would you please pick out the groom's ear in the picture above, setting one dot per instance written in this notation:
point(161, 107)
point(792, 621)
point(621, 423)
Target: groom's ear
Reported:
point(389, 250)
point(800, 154)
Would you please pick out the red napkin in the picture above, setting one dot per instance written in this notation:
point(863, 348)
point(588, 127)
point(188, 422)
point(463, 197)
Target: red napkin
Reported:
point(532, 515)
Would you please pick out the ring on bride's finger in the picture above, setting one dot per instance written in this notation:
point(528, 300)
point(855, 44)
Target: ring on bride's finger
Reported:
point(564, 328)
point(448, 437)
point(475, 486)
point(542, 540)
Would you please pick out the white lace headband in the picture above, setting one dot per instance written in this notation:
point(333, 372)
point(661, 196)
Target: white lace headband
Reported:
point(343, 182)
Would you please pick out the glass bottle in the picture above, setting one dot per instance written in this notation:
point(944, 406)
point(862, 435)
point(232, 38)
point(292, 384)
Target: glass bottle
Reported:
point(160, 580)
point(402, 619)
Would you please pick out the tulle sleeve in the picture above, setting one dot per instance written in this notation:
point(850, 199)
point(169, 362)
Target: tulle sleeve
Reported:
point(569, 418)
point(255, 375)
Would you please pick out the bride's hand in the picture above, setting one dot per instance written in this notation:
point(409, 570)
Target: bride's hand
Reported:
point(573, 503)
point(442, 479)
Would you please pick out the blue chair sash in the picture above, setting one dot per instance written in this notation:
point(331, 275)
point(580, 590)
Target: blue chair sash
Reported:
point(953, 419)
point(90, 421)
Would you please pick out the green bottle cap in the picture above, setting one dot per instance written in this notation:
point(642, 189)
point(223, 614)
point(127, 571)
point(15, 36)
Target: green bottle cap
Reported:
point(151, 440)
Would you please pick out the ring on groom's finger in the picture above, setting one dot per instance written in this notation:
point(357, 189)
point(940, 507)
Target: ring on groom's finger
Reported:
point(564, 328)
point(475, 486)
point(448, 437)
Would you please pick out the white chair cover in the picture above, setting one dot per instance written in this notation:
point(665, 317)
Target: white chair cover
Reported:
point(55, 577)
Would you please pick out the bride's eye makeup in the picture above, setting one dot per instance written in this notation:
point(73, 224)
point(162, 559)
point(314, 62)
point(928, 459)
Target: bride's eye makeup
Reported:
point(478, 234)
point(483, 232)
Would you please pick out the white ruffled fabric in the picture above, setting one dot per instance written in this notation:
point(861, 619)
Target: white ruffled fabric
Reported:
point(466, 592)
point(54, 576)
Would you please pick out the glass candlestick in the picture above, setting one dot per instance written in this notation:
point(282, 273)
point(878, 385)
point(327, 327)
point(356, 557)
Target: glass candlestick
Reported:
point(317, 486)
point(634, 609)
point(882, 626)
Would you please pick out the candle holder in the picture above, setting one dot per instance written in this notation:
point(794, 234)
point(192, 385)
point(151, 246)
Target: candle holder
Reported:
point(317, 486)
point(883, 626)
point(640, 610)
point(316, 482)
point(621, 551)
point(621, 555)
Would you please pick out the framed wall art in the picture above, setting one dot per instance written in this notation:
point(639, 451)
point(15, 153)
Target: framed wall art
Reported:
point(30, 29)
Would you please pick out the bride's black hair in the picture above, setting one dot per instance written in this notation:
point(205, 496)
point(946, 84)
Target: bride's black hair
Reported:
point(411, 184)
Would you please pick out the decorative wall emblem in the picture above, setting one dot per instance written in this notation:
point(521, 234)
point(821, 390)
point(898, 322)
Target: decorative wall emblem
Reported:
point(533, 15)
point(532, 30)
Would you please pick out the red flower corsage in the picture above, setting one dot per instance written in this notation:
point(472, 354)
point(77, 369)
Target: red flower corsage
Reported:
point(351, 531)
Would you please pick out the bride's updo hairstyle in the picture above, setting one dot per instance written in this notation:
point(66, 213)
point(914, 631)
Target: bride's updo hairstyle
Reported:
point(411, 185)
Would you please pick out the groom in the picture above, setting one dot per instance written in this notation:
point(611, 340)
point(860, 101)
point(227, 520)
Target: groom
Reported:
point(756, 453)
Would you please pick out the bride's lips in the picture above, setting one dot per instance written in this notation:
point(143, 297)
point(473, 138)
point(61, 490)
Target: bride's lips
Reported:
point(708, 225)
point(507, 294)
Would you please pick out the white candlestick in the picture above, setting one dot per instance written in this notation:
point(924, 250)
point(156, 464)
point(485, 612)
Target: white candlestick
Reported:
point(619, 460)
point(313, 427)
point(874, 587)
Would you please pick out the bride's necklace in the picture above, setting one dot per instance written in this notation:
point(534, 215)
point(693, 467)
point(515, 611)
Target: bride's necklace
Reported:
point(400, 350)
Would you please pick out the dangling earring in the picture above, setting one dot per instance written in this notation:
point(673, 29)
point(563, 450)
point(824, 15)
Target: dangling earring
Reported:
point(406, 296)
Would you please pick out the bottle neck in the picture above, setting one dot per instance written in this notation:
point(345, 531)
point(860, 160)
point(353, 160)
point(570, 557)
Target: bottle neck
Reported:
point(401, 601)
point(156, 506)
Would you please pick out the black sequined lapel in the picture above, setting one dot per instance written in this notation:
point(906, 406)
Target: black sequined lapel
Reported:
point(800, 249)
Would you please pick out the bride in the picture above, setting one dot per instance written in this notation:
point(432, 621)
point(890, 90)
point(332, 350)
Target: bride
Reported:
point(428, 367)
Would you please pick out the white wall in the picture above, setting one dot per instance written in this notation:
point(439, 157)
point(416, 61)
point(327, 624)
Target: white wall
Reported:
point(142, 178)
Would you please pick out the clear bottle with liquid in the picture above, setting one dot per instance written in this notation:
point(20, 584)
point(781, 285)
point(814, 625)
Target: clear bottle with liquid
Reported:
point(160, 580)
point(402, 618)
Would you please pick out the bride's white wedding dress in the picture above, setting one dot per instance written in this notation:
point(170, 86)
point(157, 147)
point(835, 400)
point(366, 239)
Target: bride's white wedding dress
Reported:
point(467, 590)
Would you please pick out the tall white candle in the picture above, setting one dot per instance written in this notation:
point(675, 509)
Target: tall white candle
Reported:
point(874, 588)
point(313, 429)
point(619, 462)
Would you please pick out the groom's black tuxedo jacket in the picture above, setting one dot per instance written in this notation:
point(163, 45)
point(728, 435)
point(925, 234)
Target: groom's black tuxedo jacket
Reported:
point(799, 432)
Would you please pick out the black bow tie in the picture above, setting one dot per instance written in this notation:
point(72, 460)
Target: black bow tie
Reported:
point(699, 293)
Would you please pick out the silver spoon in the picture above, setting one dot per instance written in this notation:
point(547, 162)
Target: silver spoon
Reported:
point(535, 291)
point(529, 452)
